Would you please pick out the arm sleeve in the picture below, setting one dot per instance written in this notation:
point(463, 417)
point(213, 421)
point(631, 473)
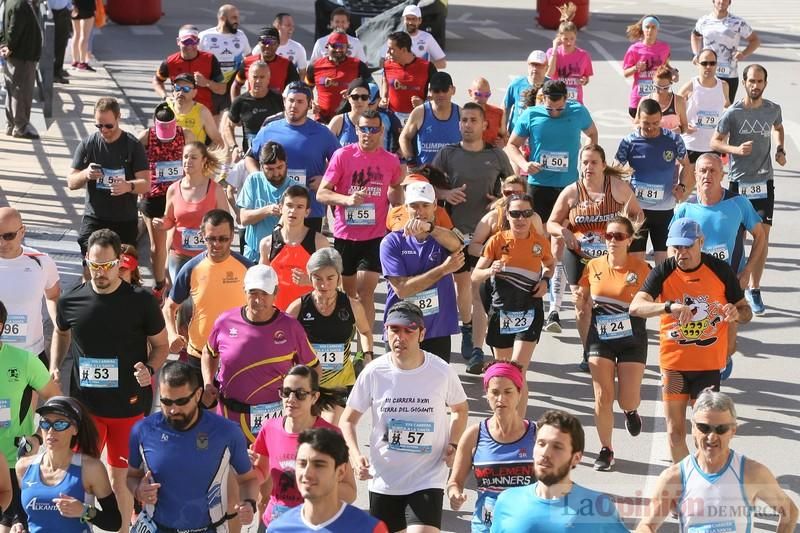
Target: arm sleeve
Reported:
point(724, 126)
point(108, 517)
point(490, 248)
point(505, 163)
point(654, 283)
point(390, 256)
point(749, 215)
point(234, 112)
point(301, 58)
point(61, 320)
point(434, 50)
point(431, 71)
point(360, 397)
point(522, 126)
point(733, 291)
point(455, 391)
point(216, 70)
point(246, 198)
point(586, 118)
point(180, 290)
point(333, 173)
point(588, 69)
point(358, 51)
point(162, 72)
point(680, 146)
point(38, 375)
point(744, 29)
point(305, 352)
point(630, 58)
point(50, 271)
point(779, 117)
point(260, 445)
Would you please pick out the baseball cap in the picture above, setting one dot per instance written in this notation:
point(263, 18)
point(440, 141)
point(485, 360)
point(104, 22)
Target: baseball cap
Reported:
point(413, 11)
point(338, 37)
point(554, 89)
point(298, 87)
point(63, 406)
point(188, 32)
point(269, 31)
point(404, 314)
point(414, 177)
point(420, 191)
point(538, 57)
point(185, 77)
point(441, 81)
point(261, 277)
point(683, 232)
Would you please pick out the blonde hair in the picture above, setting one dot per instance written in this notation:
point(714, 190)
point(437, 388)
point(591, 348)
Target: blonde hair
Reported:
point(214, 158)
point(567, 11)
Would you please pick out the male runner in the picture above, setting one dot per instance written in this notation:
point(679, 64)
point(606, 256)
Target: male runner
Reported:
point(289, 48)
point(340, 21)
point(423, 44)
point(282, 71)
point(432, 125)
point(514, 103)
point(405, 77)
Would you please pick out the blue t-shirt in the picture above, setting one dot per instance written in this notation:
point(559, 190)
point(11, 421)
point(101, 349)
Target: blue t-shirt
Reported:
point(407, 257)
point(308, 149)
point(580, 511)
point(190, 465)
point(723, 226)
point(554, 142)
point(512, 103)
point(653, 163)
point(257, 191)
point(349, 519)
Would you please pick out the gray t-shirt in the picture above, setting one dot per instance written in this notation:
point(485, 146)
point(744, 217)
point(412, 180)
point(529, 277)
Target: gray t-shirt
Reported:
point(755, 125)
point(481, 171)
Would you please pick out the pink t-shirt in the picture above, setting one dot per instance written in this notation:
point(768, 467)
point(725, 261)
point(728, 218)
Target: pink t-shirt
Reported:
point(351, 169)
point(653, 55)
point(571, 68)
point(281, 448)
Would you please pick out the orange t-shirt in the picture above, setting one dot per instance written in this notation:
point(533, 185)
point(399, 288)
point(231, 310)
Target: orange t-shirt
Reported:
point(494, 117)
point(524, 260)
point(398, 216)
point(614, 289)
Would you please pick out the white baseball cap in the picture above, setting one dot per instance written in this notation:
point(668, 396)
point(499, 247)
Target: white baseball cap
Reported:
point(413, 11)
point(261, 277)
point(538, 57)
point(420, 191)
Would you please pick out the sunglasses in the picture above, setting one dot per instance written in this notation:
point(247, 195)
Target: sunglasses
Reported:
point(338, 46)
point(481, 94)
point(105, 267)
point(180, 402)
point(182, 88)
point(705, 429)
point(708, 63)
point(104, 126)
point(268, 41)
point(369, 129)
point(58, 425)
point(510, 193)
point(663, 87)
point(525, 213)
point(363, 97)
point(190, 42)
point(218, 239)
point(615, 236)
point(10, 236)
point(300, 394)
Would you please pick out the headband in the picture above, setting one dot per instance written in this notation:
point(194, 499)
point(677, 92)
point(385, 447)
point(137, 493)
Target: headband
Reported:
point(650, 20)
point(503, 370)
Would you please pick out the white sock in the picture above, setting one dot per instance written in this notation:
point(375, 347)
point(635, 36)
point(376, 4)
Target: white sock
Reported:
point(557, 289)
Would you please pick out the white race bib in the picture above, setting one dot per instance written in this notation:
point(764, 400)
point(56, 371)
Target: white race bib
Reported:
point(298, 175)
point(260, 413)
point(109, 175)
point(192, 239)
point(713, 527)
point(410, 436)
point(555, 161)
point(15, 330)
point(144, 524)
point(427, 301)
point(707, 120)
point(719, 251)
point(753, 191)
point(168, 171)
point(512, 322)
point(593, 246)
point(649, 193)
point(360, 215)
point(572, 93)
point(614, 326)
point(5, 412)
point(724, 70)
point(331, 356)
point(646, 87)
point(98, 373)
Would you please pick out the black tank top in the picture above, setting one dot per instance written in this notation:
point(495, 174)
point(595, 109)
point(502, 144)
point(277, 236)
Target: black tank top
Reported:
point(308, 242)
point(339, 327)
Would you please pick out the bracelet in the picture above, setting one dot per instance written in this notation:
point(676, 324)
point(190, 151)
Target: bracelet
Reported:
point(780, 150)
point(87, 515)
point(370, 352)
point(252, 503)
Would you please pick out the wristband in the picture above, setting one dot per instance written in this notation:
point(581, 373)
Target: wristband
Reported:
point(133, 186)
point(252, 503)
point(780, 150)
point(149, 369)
point(370, 352)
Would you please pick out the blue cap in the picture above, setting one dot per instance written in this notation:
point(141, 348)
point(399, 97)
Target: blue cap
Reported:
point(374, 92)
point(683, 232)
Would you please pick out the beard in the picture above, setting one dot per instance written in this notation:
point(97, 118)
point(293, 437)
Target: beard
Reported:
point(231, 27)
point(554, 477)
point(182, 422)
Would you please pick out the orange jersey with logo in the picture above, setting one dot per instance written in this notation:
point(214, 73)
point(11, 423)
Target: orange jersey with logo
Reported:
point(612, 289)
point(702, 343)
point(524, 260)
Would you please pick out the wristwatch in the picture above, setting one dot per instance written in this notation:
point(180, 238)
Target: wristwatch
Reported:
point(667, 306)
point(432, 226)
point(133, 187)
point(780, 150)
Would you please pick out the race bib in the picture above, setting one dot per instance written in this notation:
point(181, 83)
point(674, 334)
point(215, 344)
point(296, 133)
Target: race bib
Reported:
point(144, 524)
point(713, 527)
point(572, 93)
point(5, 412)
point(512, 322)
point(168, 171)
point(109, 175)
point(360, 215)
point(488, 510)
point(402, 117)
point(720, 252)
point(410, 436)
point(649, 193)
point(646, 86)
point(555, 161)
point(707, 120)
point(192, 239)
point(754, 191)
point(15, 330)
point(331, 356)
point(298, 175)
point(593, 246)
point(427, 301)
point(724, 70)
point(614, 326)
point(98, 373)
point(261, 413)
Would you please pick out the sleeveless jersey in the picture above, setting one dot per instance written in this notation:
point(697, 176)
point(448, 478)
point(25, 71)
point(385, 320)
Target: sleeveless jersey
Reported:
point(191, 121)
point(37, 498)
point(348, 135)
point(703, 111)
point(405, 81)
point(669, 115)
point(283, 257)
point(588, 218)
point(714, 502)
point(330, 79)
point(434, 134)
point(331, 337)
point(165, 160)
point(187, 238)
point(499, 466)
point(202, 63)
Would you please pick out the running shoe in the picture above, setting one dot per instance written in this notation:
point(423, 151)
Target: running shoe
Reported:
point(633, 422)
point(475, 363)
point(584, 364)
point(466, 341)
point(553, 323)
point(605, 460)
point(753, 297)
point(726, 372)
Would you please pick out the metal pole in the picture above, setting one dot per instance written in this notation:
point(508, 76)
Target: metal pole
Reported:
point(45, 68)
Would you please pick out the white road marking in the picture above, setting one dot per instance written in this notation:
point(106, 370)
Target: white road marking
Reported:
point(452, 35)
point(607, 36)
point(496, 33)
point(615, 63)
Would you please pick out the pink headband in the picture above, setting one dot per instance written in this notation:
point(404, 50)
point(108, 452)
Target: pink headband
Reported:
point(165, 131)
point(503, 370)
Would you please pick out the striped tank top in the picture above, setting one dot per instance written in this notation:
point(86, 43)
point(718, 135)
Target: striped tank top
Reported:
point(588, 218)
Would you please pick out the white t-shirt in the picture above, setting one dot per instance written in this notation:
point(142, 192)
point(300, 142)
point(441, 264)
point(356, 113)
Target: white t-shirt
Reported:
point(230, 49)
point(356, 49)
point(722, 36)
point(424, 46)
point(23, 281)
point(294, 52)
point(410, 423)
